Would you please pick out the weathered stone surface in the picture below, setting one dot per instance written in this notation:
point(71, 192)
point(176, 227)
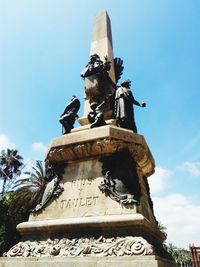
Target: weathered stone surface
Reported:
point(82, 196)
point(109, 222)
point(82, 207)
point(65, 247)
point(137, 261)
point(84, 121)
point(101, 141)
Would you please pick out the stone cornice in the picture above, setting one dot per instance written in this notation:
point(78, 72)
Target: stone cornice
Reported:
point(101, 141)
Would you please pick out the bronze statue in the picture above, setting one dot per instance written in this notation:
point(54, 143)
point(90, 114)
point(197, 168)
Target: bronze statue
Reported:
point(98, 88)
point(124, 111)
point(68, 117)
point(96, 66)
point(96, 116)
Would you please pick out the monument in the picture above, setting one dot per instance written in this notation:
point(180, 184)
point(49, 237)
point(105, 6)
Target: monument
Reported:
point(103, 214)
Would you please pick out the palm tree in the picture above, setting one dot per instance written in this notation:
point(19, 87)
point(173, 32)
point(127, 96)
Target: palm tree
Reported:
point(28, 190)
point(173, 250)
point(181, 256)
point(10, 165)
point(162, 228)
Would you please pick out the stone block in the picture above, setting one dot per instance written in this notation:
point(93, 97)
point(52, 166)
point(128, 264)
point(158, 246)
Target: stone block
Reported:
point(137, 261)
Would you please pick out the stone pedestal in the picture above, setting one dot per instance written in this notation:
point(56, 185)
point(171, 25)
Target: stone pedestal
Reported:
point(92, 218)
point(81, 154)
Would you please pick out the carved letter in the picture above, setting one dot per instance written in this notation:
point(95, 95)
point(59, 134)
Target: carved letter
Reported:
point(95, 200)
point(75, 202)
point(63, 203)
point(88, 201)
point(81, 203)
point(69, 203)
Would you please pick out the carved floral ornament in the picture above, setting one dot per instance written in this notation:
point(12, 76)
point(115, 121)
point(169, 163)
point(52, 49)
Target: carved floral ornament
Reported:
point(104, 146)
point(120, 246)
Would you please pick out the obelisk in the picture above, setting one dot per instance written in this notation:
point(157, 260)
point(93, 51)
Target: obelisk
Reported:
point(104, 215)
point(101, 44)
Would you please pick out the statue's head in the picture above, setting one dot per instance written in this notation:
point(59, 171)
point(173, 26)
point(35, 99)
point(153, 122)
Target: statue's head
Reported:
point(126, 84)
point(94, 57)
point(73, 97)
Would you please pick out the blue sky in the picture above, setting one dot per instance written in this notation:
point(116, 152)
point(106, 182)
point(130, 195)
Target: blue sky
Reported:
point(44, 46)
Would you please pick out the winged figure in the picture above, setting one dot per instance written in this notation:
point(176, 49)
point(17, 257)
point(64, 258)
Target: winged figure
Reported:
point(118, 66)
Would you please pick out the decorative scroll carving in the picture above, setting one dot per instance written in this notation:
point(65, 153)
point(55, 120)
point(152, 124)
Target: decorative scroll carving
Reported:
point(105, 146)
point(115, 246)
point(22, 249)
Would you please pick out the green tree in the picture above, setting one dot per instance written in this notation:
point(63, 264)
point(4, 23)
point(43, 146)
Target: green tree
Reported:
point(28, 191)
point(16, 205)
point(162, 228)
point(181, 256)
point(8, 233)
point(10, 166)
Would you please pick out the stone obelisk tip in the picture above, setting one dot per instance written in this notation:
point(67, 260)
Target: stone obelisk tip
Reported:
point(102, 28)
point(102, 40)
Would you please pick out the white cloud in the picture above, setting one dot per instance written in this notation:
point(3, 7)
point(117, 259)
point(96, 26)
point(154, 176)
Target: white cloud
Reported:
point(158, 180)
point(180, 217)
point(39, 147)
point(5, 142)
point(192, 167)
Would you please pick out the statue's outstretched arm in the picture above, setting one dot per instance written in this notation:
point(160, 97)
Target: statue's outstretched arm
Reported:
point(143, 104)
point(135, 102)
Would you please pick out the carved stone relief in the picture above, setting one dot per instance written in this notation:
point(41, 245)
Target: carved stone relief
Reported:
point(102, 147)
point(114, 246)
point(121, 181)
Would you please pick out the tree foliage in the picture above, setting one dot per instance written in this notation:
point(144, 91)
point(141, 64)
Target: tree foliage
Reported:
point(28, 191)
point(15, 205)
point(181, 256)
point(10, 166)
point(8, 233)
point(162, 228)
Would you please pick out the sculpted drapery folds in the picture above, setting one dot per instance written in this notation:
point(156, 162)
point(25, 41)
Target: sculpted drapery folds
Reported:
point(124, 111)
point(104, 94)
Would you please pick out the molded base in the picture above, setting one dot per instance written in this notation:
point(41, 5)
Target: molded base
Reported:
point(136, 261)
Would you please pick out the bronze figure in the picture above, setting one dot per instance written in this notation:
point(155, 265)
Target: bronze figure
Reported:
point(68, 117)
point(124, 111)
point(98, 88)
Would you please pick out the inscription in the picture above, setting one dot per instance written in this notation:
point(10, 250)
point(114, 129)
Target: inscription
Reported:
point(81, 183)
point(78, 202)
